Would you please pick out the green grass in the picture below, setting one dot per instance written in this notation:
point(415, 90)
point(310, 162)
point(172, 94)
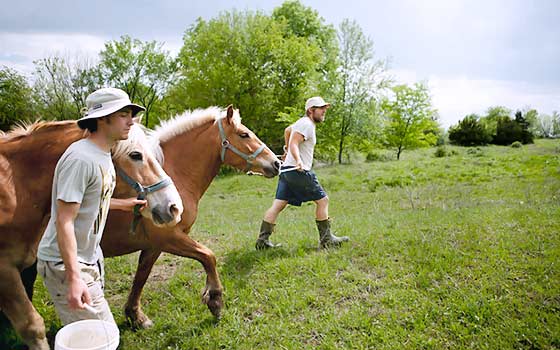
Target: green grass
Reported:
point(457, 252)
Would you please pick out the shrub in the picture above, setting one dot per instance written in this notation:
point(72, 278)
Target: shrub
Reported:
point(517, 144)
point(469, 132)
point(378, 157)
point(441, 152)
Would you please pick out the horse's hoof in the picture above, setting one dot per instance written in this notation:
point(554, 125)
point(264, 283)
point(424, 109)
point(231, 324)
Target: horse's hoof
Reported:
point(146, 324)
point(213, 299)
point(138, 320)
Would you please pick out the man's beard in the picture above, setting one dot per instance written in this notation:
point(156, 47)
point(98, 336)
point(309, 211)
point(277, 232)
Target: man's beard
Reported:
point(318, 119)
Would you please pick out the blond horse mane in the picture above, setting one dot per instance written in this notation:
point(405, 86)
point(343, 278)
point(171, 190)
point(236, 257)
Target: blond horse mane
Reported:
point(24, 129)
point(189, 120)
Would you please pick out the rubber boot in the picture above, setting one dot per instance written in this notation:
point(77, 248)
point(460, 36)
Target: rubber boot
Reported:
point(327, 239)
point(263, 242)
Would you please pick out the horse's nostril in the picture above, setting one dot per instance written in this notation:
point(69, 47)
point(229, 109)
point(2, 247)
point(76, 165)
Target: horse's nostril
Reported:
point(276, 165)
point(173, 210)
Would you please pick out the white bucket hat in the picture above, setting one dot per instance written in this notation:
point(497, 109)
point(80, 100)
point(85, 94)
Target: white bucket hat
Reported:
point(103, 102)
point(316, 101)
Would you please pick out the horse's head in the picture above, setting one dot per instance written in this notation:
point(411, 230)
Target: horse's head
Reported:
point(242, 149)
point(137, 165)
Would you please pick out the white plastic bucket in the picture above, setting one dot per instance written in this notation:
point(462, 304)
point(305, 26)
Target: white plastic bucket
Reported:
point(87, 335)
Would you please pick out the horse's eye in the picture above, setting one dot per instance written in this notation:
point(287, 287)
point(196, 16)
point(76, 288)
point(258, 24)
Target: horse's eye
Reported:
point(135, 155)
point(244, 135)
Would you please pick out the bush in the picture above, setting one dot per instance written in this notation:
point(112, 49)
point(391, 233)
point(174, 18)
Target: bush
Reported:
point(517, 144)
point(378, 157)
point(441, 152)
point(469, 132)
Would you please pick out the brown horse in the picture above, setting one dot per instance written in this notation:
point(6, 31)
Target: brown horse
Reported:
point(28, 156)
point(192, 147)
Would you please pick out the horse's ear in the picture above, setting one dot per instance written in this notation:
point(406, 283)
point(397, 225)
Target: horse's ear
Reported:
point(229, 113)
point(137, 119)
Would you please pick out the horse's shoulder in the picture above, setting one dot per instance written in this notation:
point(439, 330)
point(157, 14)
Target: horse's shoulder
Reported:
point(7, 192)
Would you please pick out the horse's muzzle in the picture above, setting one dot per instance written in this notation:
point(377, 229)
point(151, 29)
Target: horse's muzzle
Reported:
point(165, 214)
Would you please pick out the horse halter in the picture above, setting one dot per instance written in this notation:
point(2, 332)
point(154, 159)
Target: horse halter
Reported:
point(143, 192)
point(227, 145)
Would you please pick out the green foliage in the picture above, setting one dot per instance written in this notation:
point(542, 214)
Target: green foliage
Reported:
point(142, 69)
point(509, 131)
point(16, 102)
point(354, 121)
point(440, 152)
point(493, 115)
point(61, 86)
point(469, 132)
point(251, 61)
point(378, 157)
point(517, 144)
point(411, 122)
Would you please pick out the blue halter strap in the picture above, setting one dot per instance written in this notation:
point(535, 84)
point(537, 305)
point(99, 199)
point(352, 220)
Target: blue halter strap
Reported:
point(227, 145)
point(143, 192)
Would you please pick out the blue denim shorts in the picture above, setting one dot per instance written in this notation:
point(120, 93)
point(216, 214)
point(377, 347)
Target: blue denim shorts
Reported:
point(297, 187)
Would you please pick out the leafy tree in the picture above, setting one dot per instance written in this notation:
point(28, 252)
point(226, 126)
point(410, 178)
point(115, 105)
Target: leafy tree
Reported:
point(54, 90)
point(493, 114)
point(411, 120)
point(555, 123)
point(469, 132)
point(16, 101)
point(507, 131)
point(355, 88)
point(142, 69)
point(306, 23)
point(252, 61)
point(525, 125)
point(544, 127)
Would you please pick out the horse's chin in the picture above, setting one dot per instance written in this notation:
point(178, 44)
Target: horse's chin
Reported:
point(158, 222)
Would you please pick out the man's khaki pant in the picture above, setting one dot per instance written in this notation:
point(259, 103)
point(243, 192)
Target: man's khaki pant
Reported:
point(54, 277)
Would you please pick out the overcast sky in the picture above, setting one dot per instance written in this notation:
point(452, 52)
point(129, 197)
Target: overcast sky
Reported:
point(473, 54)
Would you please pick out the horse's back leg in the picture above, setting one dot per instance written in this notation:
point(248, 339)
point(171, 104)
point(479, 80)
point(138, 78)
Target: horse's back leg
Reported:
point(133, 309)
point(18, 308)
point(181, 244)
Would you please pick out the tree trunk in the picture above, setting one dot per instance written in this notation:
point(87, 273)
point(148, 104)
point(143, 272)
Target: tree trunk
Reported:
point(340, 148)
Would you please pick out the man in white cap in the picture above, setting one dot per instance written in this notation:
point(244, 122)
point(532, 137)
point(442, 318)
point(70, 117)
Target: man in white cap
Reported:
point(297, 182)
point(69, 256)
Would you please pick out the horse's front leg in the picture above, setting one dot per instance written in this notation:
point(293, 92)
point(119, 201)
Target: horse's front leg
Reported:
point(18, 308)
point(181, 244)
point(133, 309)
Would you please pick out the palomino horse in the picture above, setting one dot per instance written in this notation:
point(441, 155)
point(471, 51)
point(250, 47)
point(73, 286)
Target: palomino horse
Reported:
point(192, 147)
point(28, 157)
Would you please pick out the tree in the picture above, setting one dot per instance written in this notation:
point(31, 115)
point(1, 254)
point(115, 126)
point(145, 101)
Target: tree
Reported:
point(410, 120)
point(249, 60)
point(354, 88)
point(469, 132)
point(142, 69)
point(523, 122)
point(62, 85)
point(16, 101)
point(493, 114)
point(507, 131)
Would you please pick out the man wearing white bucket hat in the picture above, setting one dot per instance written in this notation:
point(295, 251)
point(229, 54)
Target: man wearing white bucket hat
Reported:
point(69, 257)
point(297, 182)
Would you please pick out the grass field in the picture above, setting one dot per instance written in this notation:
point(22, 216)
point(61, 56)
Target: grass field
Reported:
point(456, 252)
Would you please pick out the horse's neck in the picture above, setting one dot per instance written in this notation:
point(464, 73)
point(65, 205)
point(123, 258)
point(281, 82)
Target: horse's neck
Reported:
point(192, 159)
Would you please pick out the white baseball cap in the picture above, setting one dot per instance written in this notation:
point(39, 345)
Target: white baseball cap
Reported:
point(105, 101)
point(316, 101)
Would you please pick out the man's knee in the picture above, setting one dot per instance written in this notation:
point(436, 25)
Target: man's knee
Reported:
point(323, 201)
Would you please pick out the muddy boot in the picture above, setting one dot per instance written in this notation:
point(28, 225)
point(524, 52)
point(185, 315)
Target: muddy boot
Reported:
point(263, 242)
point(327, 239)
